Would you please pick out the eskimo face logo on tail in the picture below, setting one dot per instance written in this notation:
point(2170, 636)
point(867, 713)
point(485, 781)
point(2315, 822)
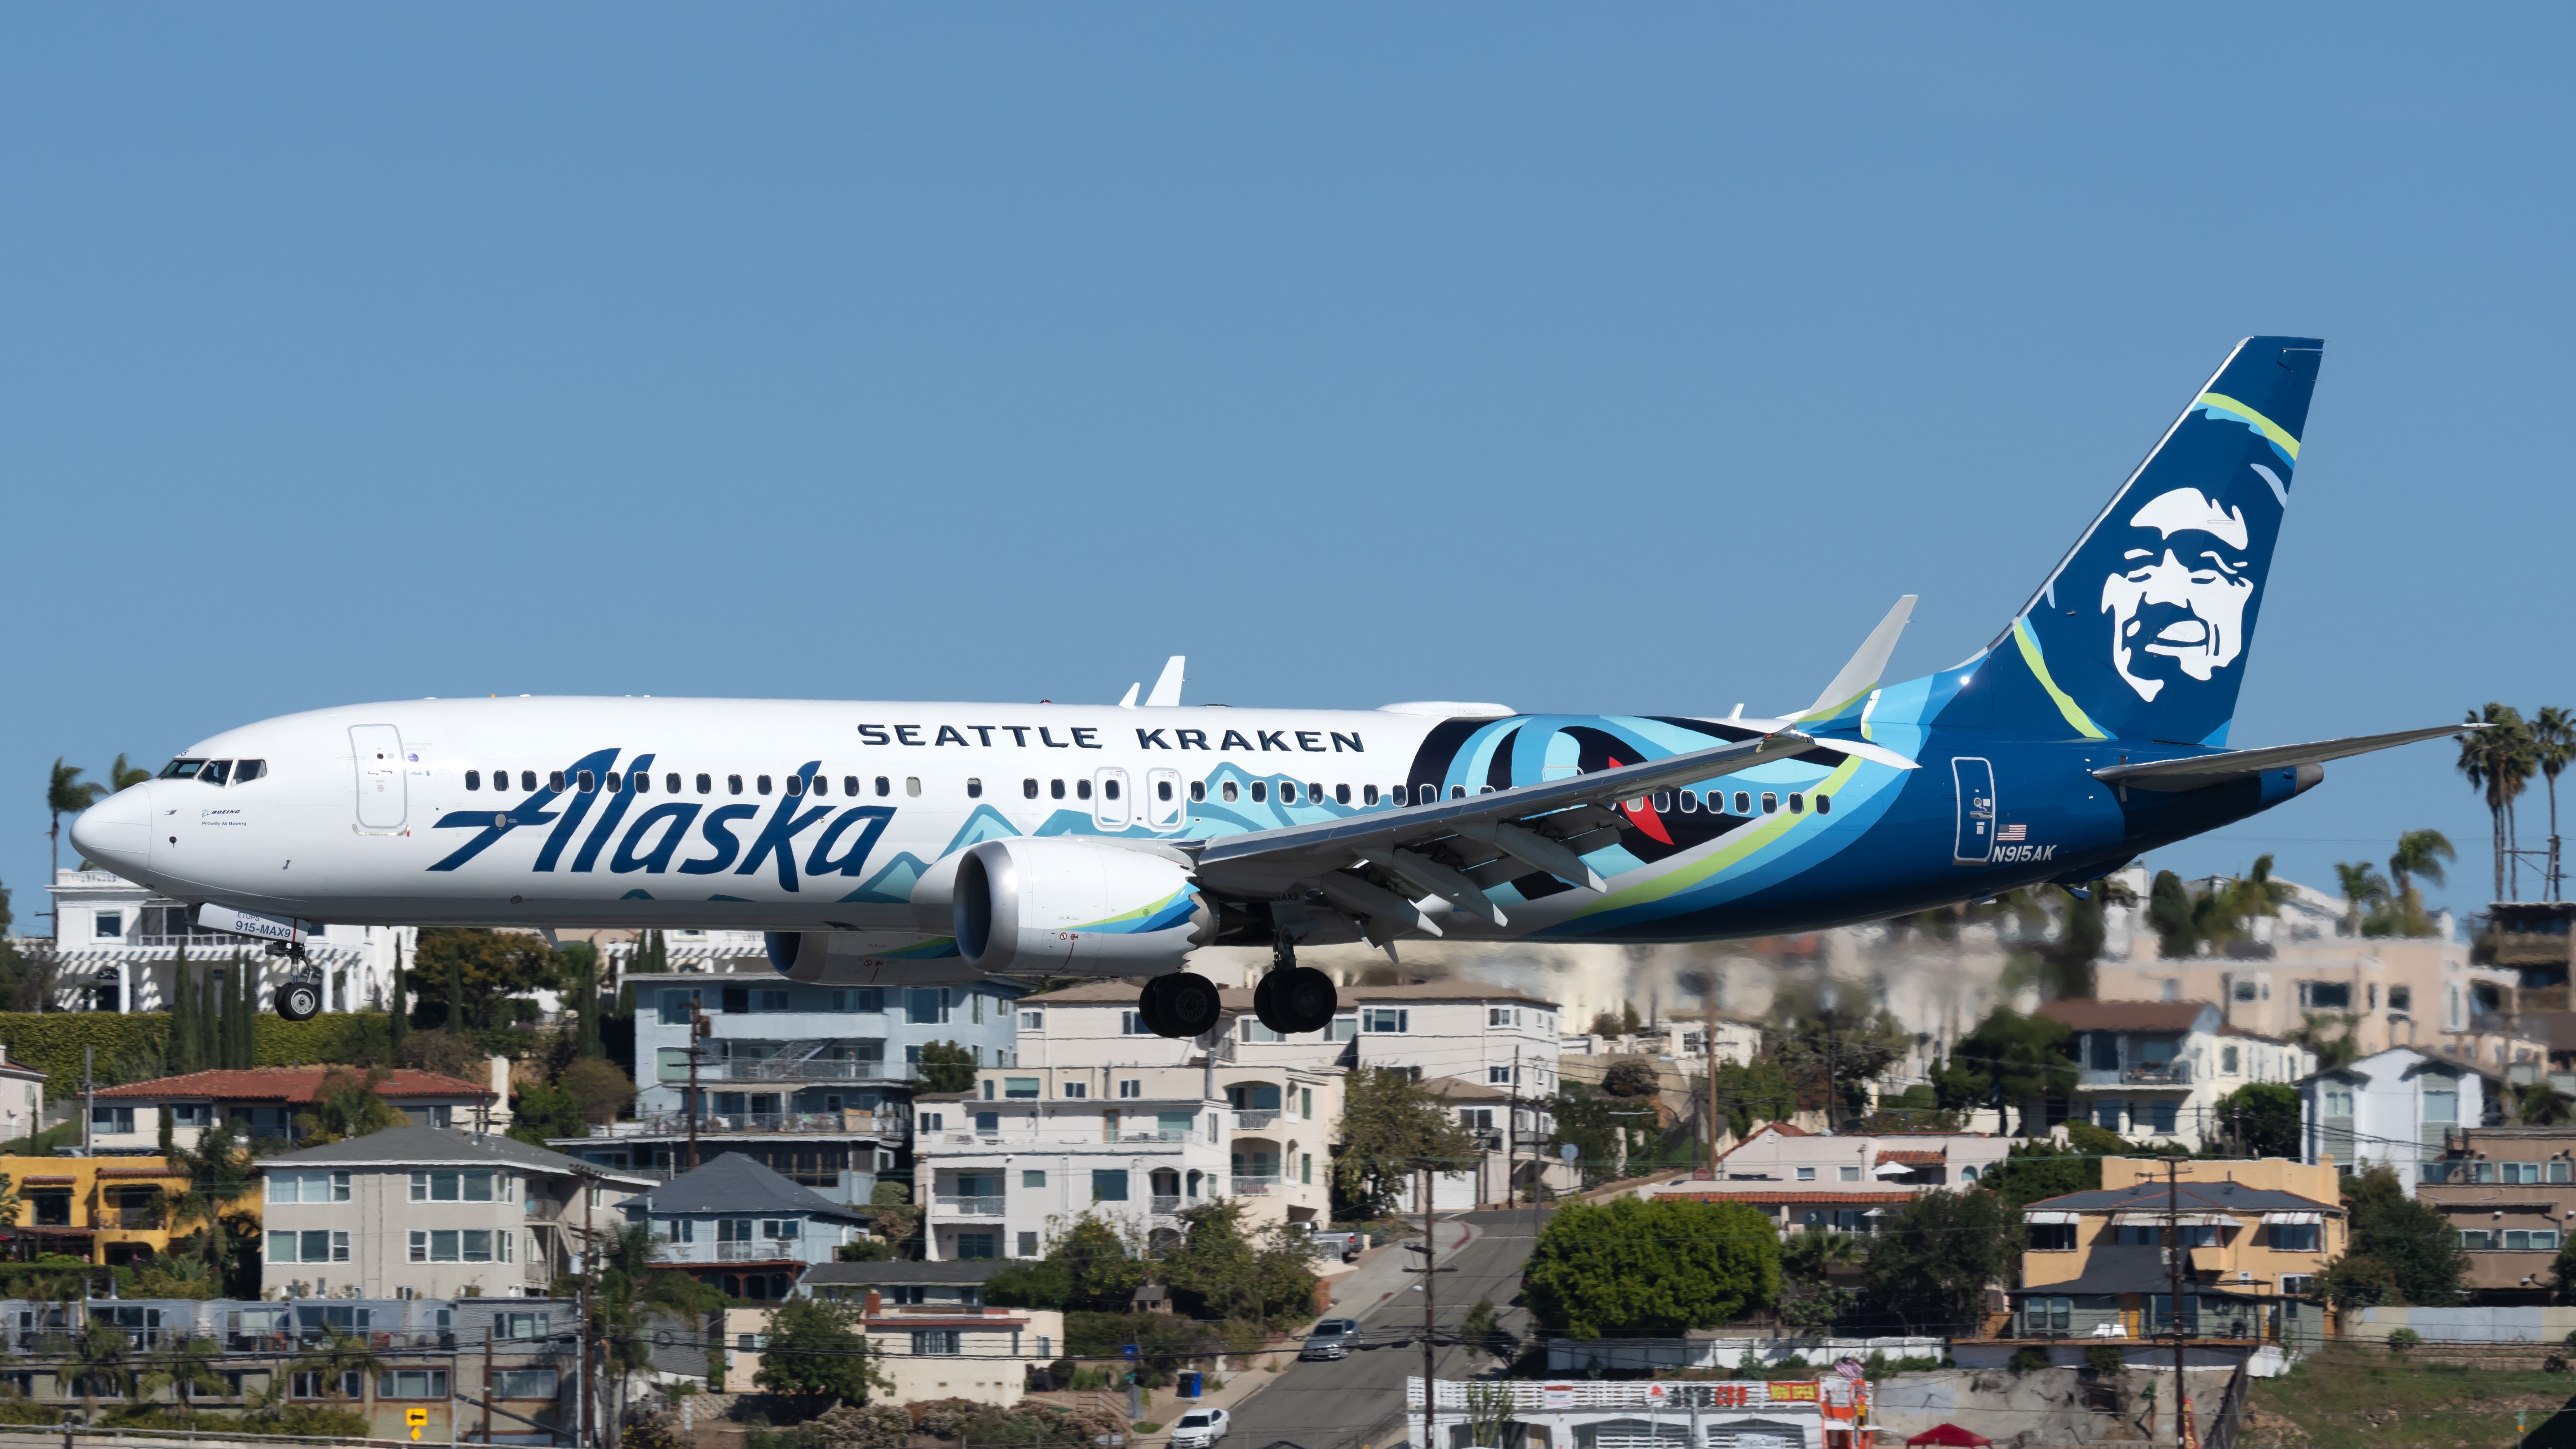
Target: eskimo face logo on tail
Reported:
point(2177, 604)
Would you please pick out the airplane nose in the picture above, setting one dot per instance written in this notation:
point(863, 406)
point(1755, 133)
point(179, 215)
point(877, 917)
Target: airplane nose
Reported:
point(117, 831)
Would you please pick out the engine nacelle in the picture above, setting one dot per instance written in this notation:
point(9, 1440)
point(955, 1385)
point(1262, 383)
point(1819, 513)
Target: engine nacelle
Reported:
point(1071, 906)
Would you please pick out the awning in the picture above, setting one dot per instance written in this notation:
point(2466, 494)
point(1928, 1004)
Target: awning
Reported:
point(1892, 1169)
point(2037, 1216)
point(2296, 1219)
point(2158, 1220)
point(1950, 1436)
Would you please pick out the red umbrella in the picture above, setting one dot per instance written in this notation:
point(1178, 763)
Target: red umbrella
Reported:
point(1950, 1434)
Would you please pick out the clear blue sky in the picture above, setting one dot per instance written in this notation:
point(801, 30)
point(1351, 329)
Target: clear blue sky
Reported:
point(1622, 360)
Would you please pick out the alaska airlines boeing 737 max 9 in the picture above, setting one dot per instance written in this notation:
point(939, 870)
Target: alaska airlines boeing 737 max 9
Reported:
point(926, 843)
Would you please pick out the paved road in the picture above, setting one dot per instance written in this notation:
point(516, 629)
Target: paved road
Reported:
point(1345, 1403)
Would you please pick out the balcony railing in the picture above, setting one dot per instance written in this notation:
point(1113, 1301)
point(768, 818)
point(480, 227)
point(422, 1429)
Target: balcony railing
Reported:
point(1254, 1121)
point(1248, 1185)
point(131, 1217)
point(1166, 1206)
point(843, 1123)
point(2172, 1074)
point(968, 1207)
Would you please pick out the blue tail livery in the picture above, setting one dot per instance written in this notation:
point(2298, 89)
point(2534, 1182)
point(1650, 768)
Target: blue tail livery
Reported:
point(919, 843)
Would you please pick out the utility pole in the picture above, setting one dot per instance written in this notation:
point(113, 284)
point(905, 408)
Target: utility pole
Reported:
point(1430, 1325)
point(589, 1261)
point(487, 1383)
point(89, 1095)
point(2174, 1251)
point(1708, 1052)
point(698, 1031)
point(1511, 1128)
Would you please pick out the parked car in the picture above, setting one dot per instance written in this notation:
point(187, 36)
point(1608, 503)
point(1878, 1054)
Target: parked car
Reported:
point(1199, 1428)
point(1344, 1246)
point(1332, 1338)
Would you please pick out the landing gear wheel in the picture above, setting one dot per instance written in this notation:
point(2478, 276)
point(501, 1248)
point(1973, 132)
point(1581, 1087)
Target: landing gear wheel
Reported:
point(1265, 1002)
point(1179, 1005)
point(299, 1001)
point(1306, 999)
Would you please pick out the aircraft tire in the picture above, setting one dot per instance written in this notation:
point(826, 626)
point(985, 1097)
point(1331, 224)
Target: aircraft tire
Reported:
point(299, 1001)
point(1149, 1005)
point(1306, 998)
point(1185, 1004)
point(1265, 1001)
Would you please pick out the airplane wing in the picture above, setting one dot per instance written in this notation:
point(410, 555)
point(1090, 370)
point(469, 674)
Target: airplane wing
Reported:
point(2195, 771)
point(1378, 864)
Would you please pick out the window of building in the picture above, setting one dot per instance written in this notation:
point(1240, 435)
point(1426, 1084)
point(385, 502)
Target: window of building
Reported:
point(2052, 1237)
point(1028, 1246)
point(976, 1246)
point(1502, 1016)
point(2164, 1115)
point(925, 1006)
point(2325, 996)
point(525, 1325)
point(110, 925)
point(1847, 1174)
point(1131, 1088)
point(308, 1187)
point(2294, 1237)
point(1498, 1076)
point(525, 1383)
point(2047, 1315)
point(1032, 1021)
point(448, 1184)
point(107, 1118)
point(1019, 1087)
point(420, 1383)
point(1108, 1184)
point(1076, 1091)
point(935, 1343)
point(2227, 1061)
point(308, 1247)
point(1383, 1020)
point(319, 1384)
point(1806, 1174)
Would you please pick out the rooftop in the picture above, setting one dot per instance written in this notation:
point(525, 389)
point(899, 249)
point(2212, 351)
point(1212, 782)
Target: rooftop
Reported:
point(2198, 1197)
point(1119, 993)
point(441, 1146)
point(734, 1183)
point(2126, 1015)
point(886, 1275)
point(291, 1084)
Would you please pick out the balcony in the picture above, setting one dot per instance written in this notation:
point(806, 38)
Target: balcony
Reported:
point(838, 1124)
point(131, 1217)
point(545, 1210)
point(1165, 1206)
point(951, 1205)
point(1252, 1185)
point(1254, 1121)
point(790, 1069)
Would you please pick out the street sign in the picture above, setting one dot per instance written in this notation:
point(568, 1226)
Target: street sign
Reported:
point(417, 1419)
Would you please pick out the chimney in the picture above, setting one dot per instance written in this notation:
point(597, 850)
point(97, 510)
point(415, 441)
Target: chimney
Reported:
point(876, 1303)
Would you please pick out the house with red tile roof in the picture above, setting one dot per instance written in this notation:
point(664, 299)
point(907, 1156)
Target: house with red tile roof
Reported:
point(1846, 1182)
point(263, 1102)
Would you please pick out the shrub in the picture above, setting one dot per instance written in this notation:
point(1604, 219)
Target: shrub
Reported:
point(308, 1421)
point(860, 1426)
point(2027, 1359)
point(15, 1410)
point(2403, 1339)
point(2102, 1358)
point(947, 1418)
point(661, 1431)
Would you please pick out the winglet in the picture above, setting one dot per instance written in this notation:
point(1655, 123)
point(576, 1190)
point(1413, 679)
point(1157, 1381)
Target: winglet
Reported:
point(1861, 675)
point(1128, 701)
point(1167, 686)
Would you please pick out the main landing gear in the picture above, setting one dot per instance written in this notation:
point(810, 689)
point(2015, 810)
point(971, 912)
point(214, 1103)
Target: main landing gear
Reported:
point(1181, 1004)
point(1290, 999)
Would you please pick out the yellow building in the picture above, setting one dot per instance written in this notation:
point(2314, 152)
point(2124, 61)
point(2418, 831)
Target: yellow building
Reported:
point(2257, 1235)
point(104, 1209)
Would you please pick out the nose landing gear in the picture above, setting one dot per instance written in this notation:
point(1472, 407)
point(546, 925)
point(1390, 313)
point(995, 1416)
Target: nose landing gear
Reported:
point(300, 999)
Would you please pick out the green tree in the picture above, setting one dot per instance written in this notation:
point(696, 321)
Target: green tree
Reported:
point(1750, 1093)
point(123, 776)
point(1832, 1045)
point(1220, 1270)
point(1483, 1333)
point(541, 1112)
point(26, 983)
point(103, 1359)
point(2169, 912)
point(2498, 762)
point(582, 960)
point(399, 1008)
point(475, 968)
point(2260, 1119)
point(1392, 1127)
point(2553, 749)
point(2365, 894)
point(813, 1349)
point(345, 1105)
point(947, 1067)
point(1087, 1269)
point(186, 1366)
point(2040, 1169)
point(2010, 1060)
point(2419, 854)
point(1810, 1300)
point(2413, 1240)
point(1932, 1260)
point(1585, 1121)
point(66, 793)
point(2541, 1105)
point(1651, 1268)
point(634, 1294)
point(598, 1087)
point(183, 1018)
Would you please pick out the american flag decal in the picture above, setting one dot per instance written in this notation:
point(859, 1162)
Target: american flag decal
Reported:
point(2011, 833)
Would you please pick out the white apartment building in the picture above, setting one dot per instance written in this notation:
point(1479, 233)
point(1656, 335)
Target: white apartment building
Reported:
point(116, 945)
point(2396, 1108)
point(1005, 1176)
point(2155, 1070)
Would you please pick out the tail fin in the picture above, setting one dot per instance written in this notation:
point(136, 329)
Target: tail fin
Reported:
point(2142, 631)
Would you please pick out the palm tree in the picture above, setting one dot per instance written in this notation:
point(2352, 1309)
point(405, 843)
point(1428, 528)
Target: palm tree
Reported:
point(2498, 762)
point(2364, 891)
point(631, 1292)
point(187, 1368)
point(104, 1355)
point(67, 794)
point(2553, 747)
point(121, 775)
point(2418, 853)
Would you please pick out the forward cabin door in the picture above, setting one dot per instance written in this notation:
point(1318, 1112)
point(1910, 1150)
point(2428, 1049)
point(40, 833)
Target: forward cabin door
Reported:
point(1163, 799)
point(379, 752)
point(1111, 807)
point(1975, 780)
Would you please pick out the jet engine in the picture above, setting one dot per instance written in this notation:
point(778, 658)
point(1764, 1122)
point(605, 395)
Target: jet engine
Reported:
point(1071, 906)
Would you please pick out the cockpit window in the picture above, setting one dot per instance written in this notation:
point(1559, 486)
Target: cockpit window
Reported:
point(249, 770)
point(216, 772)
point(181, 769)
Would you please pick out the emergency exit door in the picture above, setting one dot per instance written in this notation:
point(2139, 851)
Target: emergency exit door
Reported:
point(379, 752)
point(1975, 780)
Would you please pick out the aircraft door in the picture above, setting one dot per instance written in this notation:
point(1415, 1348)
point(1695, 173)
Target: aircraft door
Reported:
point(381, 779)
point(1110, 806)
point(1163, 807)
point(1975, 779)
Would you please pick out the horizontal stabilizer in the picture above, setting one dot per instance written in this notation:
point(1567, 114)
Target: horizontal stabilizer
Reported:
point(2194, 771)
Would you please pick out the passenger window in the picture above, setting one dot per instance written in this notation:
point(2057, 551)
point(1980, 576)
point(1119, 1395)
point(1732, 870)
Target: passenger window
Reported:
point(1229, 792)
point(555, 781)
point(1287, 792)
point(643, 782)
point(763, 784)
point(1457, 792)
point(1109, 789)
point(974, 788)
point(706, 784)
point(589, 782)
point(1198, 790)
point(1029, 789)
point(1314, 794)
point(795, 785)
point(1082, 789)
point(1824, 804)
point(671, 782)
point(1163, 790)
point(884, 787)
point(850, 786)
point(1260, 791)
point(1368, 794)
point(615, 782)
point(822, 785)
point(1797, 803)
point(474, 779)
point(1430, 794)
point(1055, 789)
point(1770, 803)
point(912, 785)
point(1341, 794)
point(1690, 802)
point(249, 770)
point(1743, 803)
point(733, 784)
